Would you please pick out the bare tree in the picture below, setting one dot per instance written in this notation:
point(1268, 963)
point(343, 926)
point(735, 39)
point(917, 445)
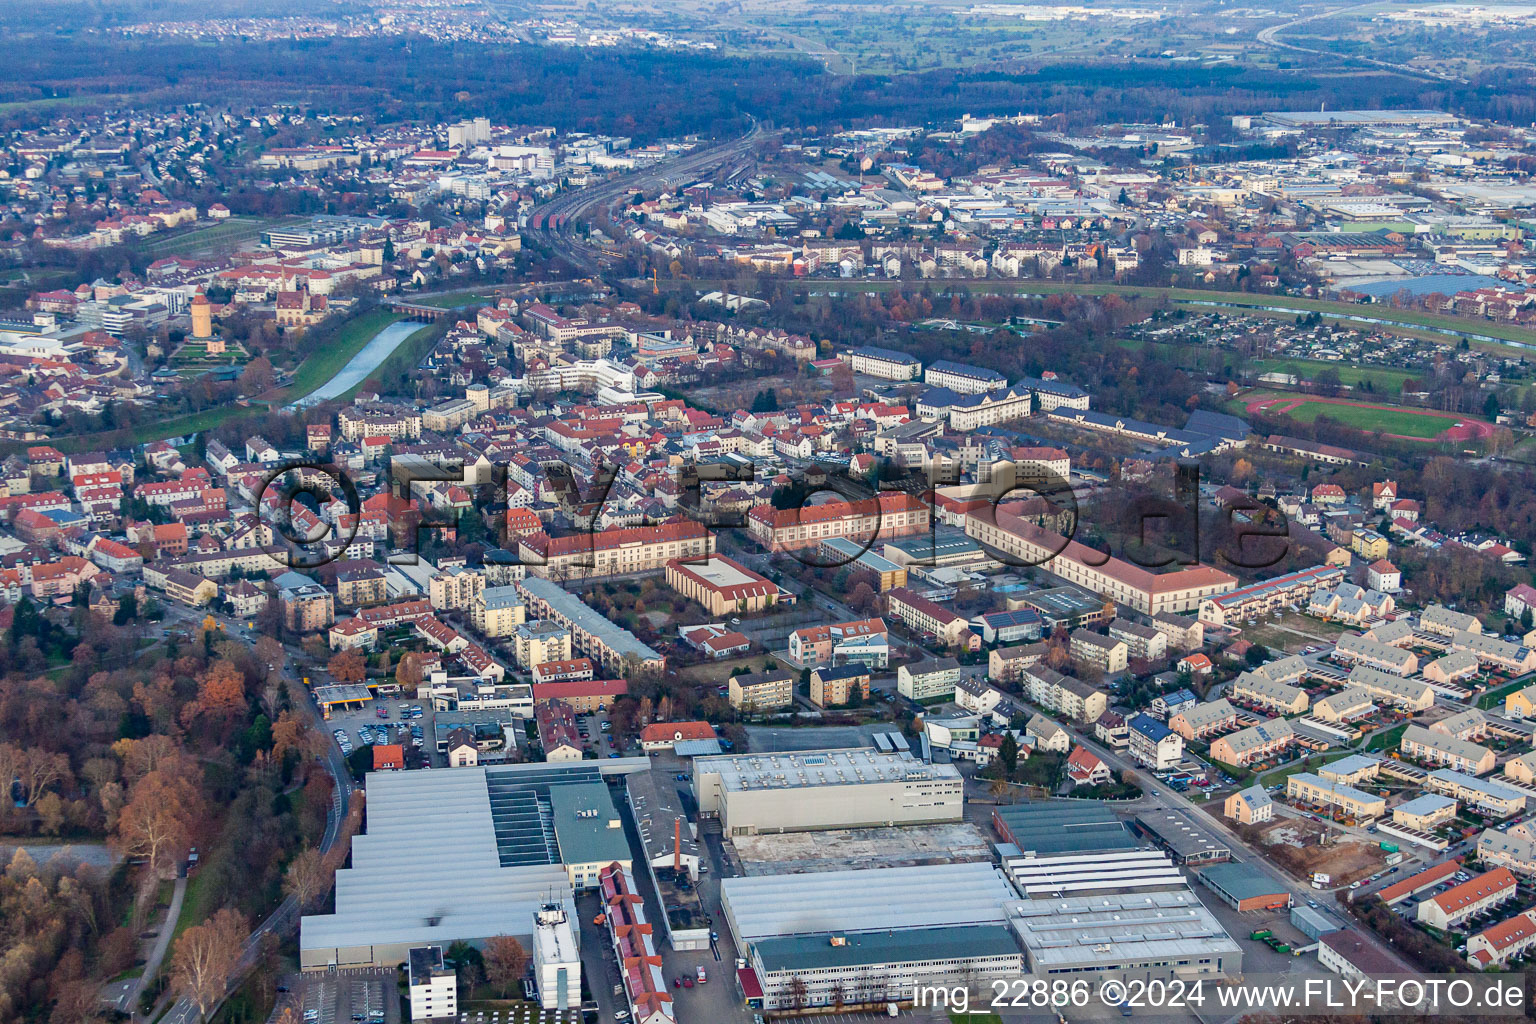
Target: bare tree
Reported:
point(306, 878)
point(797, 992)
point(205, 957)
point(505, 962)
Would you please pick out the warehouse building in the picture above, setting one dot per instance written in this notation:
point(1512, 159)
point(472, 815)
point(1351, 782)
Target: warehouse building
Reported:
point(1187, 842)
point(868, 934)
point(1093, 874)
point(821, 789)
point(1145, 936)
point(497, 826)
point(1081, 826)
point(1245, 887)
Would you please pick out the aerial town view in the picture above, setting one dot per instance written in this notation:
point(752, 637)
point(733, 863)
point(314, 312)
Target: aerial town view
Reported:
point(673, 512)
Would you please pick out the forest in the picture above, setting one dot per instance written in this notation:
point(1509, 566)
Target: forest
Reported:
point(150, 746)
point(647, 94)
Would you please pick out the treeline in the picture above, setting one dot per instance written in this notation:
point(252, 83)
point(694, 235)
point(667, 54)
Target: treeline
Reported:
point(648, 94)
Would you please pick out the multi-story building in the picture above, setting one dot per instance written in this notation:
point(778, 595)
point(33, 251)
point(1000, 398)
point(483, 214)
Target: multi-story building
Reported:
point(1265, 693)
point(620, 552)
point(1069, 697)
point(834, 686)
point(1495, 945)
point(1155, 745)
point(1409, 694)
point(1259, 599)
point(933, 679)
point(1106, 653)
point(307, 606)
point(615, 649)
point(762, 691)
point(1145, 642)
point(556, 958)
point(542, 640)
point(882, 362)
point(1251, 806)
point(890, 514)
point(926, 618)
point(433, 987)
point(814, 645)
point(455, 587)
point(1348, 705)
point(1436, 748)
point(1255, 743)
point(1360, 650)
point(1485, 796)
point(722, 585)
point(583, 696)
point(1425, 812)
point(1201, 720)
point(498, 611)
point(1307, 788)
point(963, 379)
point(1114, 578)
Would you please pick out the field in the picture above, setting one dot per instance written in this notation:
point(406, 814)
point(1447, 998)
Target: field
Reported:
point(1410, 424)
point(1380, 377)
point(1386, 739)
point(453, 300)
point(210, 236)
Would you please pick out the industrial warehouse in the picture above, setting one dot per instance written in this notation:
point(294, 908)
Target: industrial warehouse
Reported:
point(512, 841)
point(868, 934)
point(823, 789)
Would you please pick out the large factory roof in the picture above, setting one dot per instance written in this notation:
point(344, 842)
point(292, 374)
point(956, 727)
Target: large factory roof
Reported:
point(849, 767)
point(1134, 927)
point(399, 888)
point(855, 949)
point(880, 898)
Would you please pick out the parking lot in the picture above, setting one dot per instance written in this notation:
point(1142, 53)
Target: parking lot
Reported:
point(352, 721)
point(352, 996)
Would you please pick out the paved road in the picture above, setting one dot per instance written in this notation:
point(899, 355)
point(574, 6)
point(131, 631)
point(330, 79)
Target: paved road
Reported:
point(1269, 37)
point(372, 355)
point(1158, 796)
point(129, 998)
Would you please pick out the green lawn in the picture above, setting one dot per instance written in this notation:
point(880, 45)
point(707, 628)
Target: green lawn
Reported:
point(1282, 773)
point(1407, 422)
point(410, 352)
point(453, 300)
point(196, 904)
point(1381, 377)
point(1496, 697)
point(325, 363)
point(1387, 739)
point(318, 368)
point(226, 234)
point(975, 1017)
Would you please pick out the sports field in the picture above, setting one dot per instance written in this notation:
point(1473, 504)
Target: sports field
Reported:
point(1413, 424)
